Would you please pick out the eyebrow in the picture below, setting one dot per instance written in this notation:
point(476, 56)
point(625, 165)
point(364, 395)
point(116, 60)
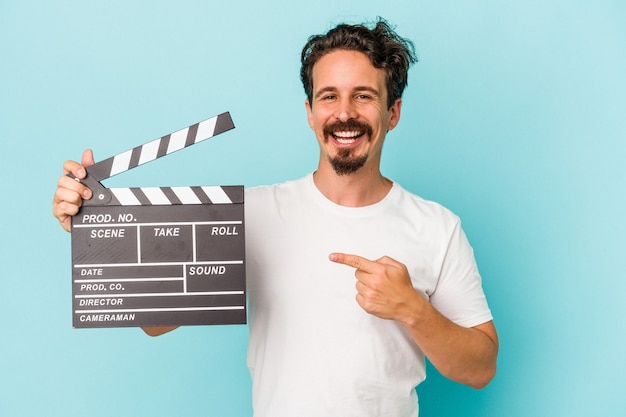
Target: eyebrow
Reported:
point(356, 89)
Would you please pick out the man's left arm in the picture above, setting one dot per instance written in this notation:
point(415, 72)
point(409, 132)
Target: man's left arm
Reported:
point(384, 289)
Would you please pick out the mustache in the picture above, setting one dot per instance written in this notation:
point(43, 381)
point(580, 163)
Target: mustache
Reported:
point(349, 124)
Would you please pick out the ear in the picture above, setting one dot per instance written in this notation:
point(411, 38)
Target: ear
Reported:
point(394, 114)
point(309, 113)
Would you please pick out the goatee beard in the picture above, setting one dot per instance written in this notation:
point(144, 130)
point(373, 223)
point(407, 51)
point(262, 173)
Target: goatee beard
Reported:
point(345, 162)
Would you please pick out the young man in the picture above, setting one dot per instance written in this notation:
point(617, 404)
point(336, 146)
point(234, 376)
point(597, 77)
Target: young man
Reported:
point(323, 343)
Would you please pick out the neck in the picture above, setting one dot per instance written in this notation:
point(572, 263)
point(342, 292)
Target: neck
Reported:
point(365, 187)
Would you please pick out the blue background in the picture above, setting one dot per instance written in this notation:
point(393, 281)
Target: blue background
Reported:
point(513, 118)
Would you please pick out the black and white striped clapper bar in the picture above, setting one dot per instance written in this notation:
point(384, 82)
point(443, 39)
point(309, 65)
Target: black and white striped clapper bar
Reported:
point(159, 256)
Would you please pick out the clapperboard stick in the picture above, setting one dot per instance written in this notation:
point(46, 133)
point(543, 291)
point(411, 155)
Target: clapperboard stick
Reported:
point(149, 152)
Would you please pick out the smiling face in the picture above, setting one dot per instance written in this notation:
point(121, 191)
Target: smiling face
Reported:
point(349, 112)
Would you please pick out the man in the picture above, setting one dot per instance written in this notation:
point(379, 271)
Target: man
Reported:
point(314, 349)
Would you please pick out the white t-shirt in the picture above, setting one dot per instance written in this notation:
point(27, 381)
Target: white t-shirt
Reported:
point(313, 351)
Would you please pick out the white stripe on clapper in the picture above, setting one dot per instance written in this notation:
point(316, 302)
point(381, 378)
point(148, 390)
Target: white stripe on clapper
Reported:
point(177, 140)
point(216, 194)
point(156, 196)
point(186, 195)
point(205, 129)
point(121, 162)
point(149, 151)
point(125, 196)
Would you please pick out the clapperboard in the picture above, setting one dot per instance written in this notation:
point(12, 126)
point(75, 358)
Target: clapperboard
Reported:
point(159, 256)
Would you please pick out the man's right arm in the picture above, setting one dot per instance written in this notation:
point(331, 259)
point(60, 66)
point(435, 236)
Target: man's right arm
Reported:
point(67, 200)
point(158, 330)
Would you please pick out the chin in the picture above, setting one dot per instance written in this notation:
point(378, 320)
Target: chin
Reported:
point(343, 165)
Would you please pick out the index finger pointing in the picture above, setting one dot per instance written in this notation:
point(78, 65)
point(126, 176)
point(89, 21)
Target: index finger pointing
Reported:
point(354, 261)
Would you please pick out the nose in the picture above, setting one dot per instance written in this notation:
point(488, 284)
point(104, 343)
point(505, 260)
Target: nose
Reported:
point(345, 110)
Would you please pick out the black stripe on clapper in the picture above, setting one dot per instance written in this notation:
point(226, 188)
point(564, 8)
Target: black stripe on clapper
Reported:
point(224, 122)
point(141, 196)
point(102, 169)
point(199, 192)
point(134, 157)
point(170, 195)
point(114, 201)
point(163, 145)
point(191, 134)
point(234, 192)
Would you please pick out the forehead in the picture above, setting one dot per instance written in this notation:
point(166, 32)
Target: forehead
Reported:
point(346, 69)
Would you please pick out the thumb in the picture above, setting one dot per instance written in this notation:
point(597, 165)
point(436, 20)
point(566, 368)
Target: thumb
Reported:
point(87, 159)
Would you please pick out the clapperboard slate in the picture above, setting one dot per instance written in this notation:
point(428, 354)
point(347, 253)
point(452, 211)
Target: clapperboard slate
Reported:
point(157, 256)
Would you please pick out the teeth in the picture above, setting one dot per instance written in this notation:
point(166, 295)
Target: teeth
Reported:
point(346, 135)
point(345, 141)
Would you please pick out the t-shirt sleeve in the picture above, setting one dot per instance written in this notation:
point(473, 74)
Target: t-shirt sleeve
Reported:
point(459, 294)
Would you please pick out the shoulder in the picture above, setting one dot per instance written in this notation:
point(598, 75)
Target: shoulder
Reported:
point(417, 205)
point(273, 190)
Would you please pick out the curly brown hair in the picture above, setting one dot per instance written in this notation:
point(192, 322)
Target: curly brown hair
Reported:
point(384, 48)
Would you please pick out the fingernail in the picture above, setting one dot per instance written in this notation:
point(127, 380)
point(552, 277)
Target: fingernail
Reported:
point(81, 173)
